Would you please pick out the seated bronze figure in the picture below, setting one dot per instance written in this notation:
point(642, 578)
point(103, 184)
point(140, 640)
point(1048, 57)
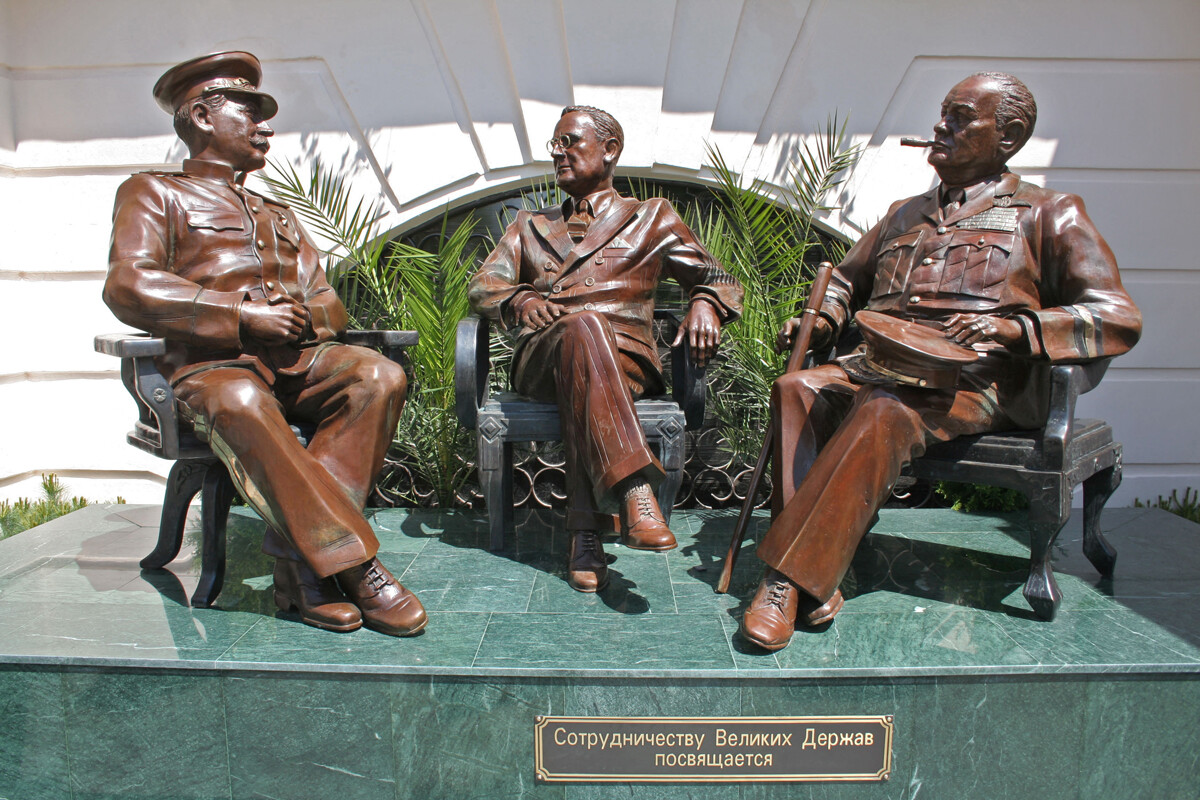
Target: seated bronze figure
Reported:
point(575, 284)
point(1014, 272)
point(233, 283)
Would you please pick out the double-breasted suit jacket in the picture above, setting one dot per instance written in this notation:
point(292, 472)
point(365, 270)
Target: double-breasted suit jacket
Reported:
point(606, 284)
point(188, 250)
point(1012, 250)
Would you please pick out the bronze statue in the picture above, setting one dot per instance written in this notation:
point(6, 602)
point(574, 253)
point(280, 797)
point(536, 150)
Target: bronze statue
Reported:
point(234, 284)
point(576, 283)
point(1016, 273)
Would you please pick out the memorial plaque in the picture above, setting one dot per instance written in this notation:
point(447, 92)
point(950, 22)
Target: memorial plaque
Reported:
point(712, 749)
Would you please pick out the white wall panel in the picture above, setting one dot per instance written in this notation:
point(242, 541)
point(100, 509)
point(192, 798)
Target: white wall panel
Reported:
point(71, 427)
point(618, 53)
point(534, 33)
point(466, 33)
point(53, 323)
point(701, 44)
point(56, 223)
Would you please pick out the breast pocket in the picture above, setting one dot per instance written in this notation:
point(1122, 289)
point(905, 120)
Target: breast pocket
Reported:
point(285, 229)
point(215, 219)
point(977, 264)
point(894, 263)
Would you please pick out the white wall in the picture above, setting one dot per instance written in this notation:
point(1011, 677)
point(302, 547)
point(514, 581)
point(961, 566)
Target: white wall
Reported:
point(431, 102)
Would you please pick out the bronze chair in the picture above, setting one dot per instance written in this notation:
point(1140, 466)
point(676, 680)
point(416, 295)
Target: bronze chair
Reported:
point(160, 431)
point(1045, 465)
point(500, 420)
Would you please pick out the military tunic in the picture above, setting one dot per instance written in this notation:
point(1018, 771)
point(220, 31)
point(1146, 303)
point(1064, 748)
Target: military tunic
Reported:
point(188, 249)
point(1011, 250)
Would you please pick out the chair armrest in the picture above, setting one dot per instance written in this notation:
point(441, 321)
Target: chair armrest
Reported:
point(158, 422)
point(688, 381)
point(1066, 382)
point(391, 343)
point(130, 345)
point(472, 365)
point(380, 339)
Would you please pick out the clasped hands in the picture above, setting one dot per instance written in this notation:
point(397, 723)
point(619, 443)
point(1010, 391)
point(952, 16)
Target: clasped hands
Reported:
point(964, 329)
point(701, 326)
point(275, 321)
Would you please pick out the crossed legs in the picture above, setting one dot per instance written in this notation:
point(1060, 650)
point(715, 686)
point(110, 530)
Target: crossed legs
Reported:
point(312, 499)
point(576, 363)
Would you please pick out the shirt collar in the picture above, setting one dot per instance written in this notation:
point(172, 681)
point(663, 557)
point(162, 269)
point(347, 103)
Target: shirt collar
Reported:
point(212, 171)
point(600, 201)
point(972, 190)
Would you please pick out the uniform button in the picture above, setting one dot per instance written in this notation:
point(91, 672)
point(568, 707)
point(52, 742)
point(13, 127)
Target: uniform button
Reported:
point(941, 229)
point(599, 259)
point(589, 281)
point(982, 241)
point(927, 261)
point(915, 299)
point(261, 244)
point(549, 266)
point(270, 284)
point(589, 307)
point(557, 288)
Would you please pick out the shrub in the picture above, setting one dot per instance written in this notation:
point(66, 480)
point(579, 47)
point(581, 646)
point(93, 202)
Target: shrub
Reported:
point(24, 513)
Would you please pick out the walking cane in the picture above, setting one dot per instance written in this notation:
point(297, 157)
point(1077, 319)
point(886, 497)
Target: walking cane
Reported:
point(795, 361)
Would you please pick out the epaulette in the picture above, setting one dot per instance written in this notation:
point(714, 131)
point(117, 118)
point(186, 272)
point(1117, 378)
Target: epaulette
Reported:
point(162, 173)
point(264, 198)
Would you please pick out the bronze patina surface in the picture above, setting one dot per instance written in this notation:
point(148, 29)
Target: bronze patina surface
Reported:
point(233, 283)
point(575, 285)
point(1016, 272)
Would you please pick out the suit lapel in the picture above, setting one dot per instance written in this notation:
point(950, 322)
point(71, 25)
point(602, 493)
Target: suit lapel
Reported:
point(552, 229)
point(620, 211)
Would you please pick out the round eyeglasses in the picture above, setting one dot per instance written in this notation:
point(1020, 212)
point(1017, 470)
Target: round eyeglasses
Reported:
point(564, 142)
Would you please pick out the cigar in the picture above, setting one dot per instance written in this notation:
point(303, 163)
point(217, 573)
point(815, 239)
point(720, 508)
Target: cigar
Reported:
point(909, 141)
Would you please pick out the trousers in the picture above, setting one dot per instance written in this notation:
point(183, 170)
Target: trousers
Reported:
point(839, 450)
point(312, 499)
point(576, 363)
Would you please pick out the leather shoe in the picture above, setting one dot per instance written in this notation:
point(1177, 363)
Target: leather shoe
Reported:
point(587, 566)
point(770, 619)
point(386, 606)
point(318, 600)
point(812, 613)
point(642, 524)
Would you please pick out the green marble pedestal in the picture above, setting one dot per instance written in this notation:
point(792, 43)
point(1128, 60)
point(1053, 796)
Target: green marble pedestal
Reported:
point(112, 687)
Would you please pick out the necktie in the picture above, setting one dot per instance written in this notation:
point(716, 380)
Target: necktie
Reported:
point(954, 201)
point(577, 225)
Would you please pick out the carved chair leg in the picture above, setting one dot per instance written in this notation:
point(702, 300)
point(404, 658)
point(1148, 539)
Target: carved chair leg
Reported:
point(507, 525)
point(493, 468)
point(183, 482)
point(1096, 491)
point(1049, 510)
point(214, 514)
point(670, 440)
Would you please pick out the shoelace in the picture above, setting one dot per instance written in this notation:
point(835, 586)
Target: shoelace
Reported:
point(642, 495)
point(776, 593)
point(375, 578)
point(591, 543)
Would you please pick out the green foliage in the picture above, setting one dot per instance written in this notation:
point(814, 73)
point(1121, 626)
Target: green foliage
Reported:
point(24, 513)
point(772, 248)
point(394, 286)
point(1188, 507)
point(968, 497)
